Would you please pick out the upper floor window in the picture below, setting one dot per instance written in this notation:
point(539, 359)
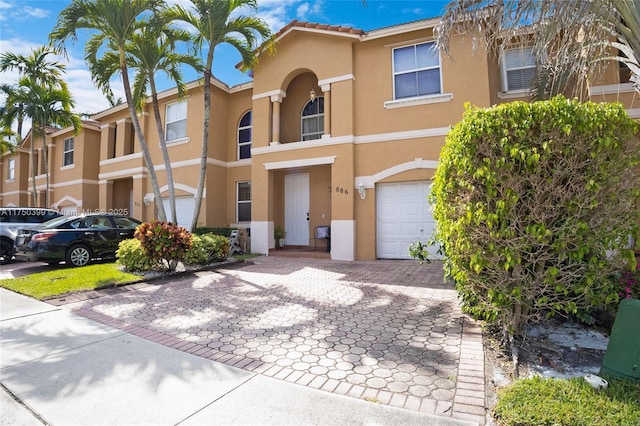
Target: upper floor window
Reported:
point(176, 121)
point(244, 201)
point(518, 68)
point(67, 155)
point(244, 136)
point(624, 72)
point(416, 71)
point(313, 119)
point(11, 175)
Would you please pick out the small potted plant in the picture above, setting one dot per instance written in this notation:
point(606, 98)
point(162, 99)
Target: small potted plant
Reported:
point(279, 234)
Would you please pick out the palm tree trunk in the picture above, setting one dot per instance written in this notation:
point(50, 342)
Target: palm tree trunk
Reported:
point(45, 159)
point(19, 123)
point(143, 142)
point(165, 153)
point(34, 199)
point(205, 146)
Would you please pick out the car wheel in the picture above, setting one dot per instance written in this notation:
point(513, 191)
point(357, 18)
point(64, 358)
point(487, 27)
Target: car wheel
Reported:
point(78, 255)
point(6, 252)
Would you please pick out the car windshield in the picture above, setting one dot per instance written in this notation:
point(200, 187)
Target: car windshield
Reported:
point(54, 223)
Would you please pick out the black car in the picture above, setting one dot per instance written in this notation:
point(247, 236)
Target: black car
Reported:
point(75, 239)
point(14, 218)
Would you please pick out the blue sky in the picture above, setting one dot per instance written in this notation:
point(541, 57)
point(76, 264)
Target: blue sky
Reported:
point(25, 24)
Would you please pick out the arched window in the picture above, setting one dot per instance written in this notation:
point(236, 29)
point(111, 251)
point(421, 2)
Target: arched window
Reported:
point(313, 119)
point(244, 136)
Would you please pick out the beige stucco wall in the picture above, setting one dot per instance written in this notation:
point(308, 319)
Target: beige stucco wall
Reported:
point(14, 192)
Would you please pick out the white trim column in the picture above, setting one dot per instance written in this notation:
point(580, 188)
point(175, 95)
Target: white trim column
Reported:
point(262, 236)
point(276, 100)
point(326, 92)
point(343, 239)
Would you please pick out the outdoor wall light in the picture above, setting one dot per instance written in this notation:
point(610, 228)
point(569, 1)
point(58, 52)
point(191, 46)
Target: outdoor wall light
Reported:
point(362, 191)
point(146, 200)
point(312, 95)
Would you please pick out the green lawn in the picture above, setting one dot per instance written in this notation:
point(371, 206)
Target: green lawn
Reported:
point(59, 281)
point(537, 401)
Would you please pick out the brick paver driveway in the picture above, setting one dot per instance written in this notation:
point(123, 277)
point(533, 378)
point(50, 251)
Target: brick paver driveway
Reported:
point(387, 331)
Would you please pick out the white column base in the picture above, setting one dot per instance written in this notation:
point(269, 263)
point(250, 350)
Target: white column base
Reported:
point(343, 239)
point(261, 236)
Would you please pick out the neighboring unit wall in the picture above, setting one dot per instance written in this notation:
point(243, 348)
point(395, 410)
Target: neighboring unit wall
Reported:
point(13, 192)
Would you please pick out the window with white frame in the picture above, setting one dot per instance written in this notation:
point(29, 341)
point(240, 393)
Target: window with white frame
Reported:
point(244, 136)
point(244, 202)
point(313, 119)
point(416, 71)
point(67, 154)
point(176, 121)
point(518, 68)
point(11, 175)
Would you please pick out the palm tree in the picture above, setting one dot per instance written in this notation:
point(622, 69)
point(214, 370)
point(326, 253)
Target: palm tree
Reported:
point(11, 113)
point(34, 70)
point(46, 107)
point(572, 39)
point(216, 22)
point(7, 137)
point(36, 67)
point(114, 22)
point(152, 50)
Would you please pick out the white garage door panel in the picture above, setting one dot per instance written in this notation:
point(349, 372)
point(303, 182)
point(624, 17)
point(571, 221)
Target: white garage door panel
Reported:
point(184, 210)
point(403, 217)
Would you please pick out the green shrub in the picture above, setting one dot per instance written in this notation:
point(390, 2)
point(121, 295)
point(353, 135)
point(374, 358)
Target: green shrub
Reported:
point(534, 204)
point(206, 249)
point(164, 242)
point(419, 251)
point(225, 231)
point(131, 256)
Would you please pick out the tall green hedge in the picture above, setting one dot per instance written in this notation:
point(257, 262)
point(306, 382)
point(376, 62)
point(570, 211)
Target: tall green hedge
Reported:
point(535, 204)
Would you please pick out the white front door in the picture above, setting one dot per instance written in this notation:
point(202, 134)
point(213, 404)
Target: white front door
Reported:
point(403, 217)
point(296, 209)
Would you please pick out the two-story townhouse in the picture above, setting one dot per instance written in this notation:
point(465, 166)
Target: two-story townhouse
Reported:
point(72, 164)
point(14, 175)
point(341, 129)
point(73, 169)
point(16, 186)
point(358, 156)
point(124, 181)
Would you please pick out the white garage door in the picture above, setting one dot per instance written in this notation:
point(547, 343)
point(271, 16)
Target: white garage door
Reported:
point(403, 217)
point(184, 210)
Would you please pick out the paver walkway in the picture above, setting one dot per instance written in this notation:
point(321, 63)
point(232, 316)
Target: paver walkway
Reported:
point(387, 331)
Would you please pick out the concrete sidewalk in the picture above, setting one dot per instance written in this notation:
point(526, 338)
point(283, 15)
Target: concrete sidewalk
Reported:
point(62, 369)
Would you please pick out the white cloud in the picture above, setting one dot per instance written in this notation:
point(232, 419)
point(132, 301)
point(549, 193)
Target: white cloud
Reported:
point(278, 13)
point(306, 11)
point(35, 12)
point(12, 11)
point(87, 97)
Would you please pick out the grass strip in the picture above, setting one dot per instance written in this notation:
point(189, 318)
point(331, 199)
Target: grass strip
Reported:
point(544, 401)
point(62, 280)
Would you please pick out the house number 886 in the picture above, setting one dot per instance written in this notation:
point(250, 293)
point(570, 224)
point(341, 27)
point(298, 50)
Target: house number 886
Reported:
point(342, 190)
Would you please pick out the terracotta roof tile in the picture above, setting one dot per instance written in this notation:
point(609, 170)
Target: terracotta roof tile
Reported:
point(314, 25)
point(94, 123)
